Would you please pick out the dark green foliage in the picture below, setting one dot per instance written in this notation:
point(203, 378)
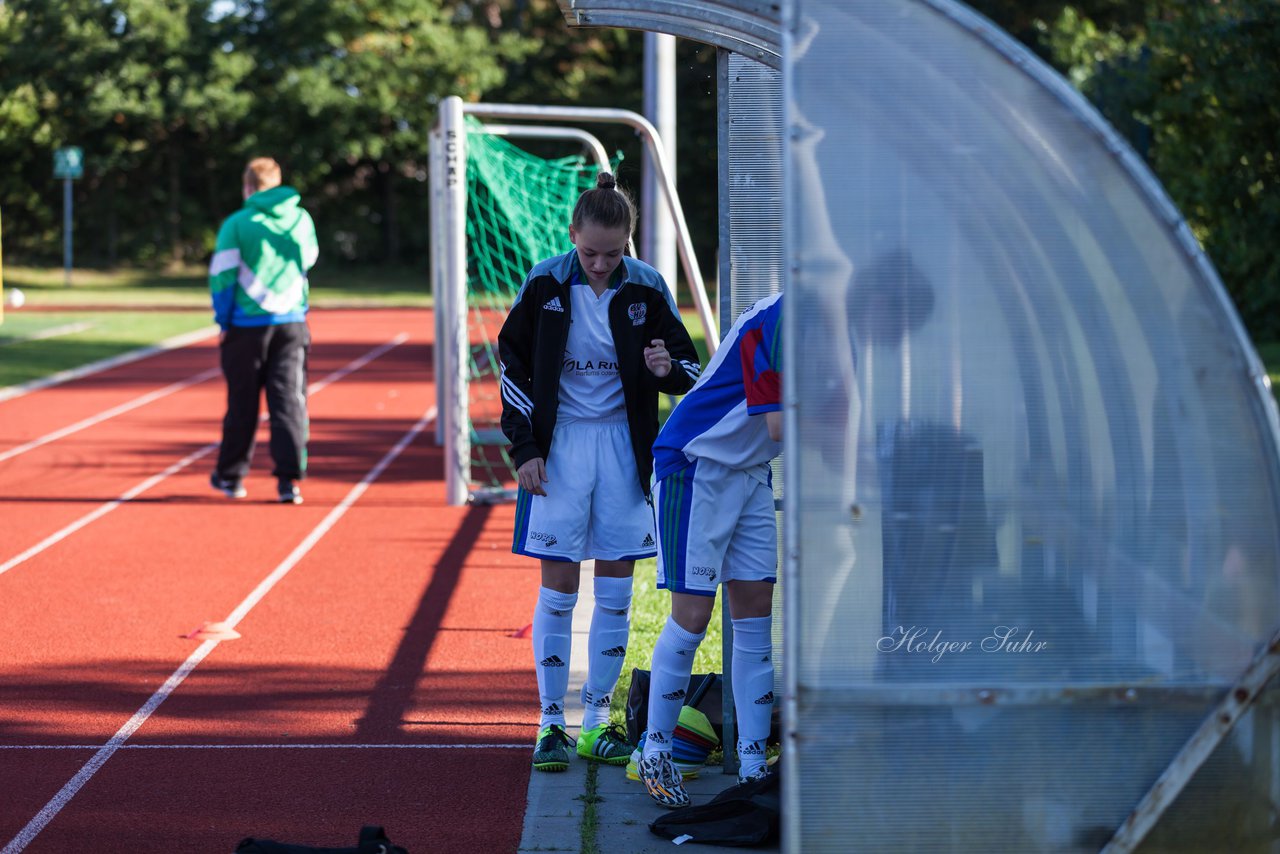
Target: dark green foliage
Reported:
point(1215, 120)
point(1194, 92)
point(168, 98)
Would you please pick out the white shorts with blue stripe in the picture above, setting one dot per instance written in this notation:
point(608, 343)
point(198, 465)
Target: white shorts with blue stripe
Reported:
point(715, 524)
point(594, 507)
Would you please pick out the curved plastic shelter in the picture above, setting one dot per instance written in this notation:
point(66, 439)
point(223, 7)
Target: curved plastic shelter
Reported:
point(1031, 505)
point(747, 27)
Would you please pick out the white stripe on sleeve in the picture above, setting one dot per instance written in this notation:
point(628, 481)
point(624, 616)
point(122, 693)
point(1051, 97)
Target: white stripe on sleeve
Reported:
point(224, 260)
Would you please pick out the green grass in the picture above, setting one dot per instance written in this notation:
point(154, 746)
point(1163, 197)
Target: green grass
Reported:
point(165, 303)
point(188, 287)
point(590, 819)
point(78, 338)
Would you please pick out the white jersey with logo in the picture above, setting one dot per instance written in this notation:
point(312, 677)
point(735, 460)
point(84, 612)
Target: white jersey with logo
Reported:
point(590, 388)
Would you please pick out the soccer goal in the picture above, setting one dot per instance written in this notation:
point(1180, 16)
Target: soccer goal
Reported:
point(497, 209)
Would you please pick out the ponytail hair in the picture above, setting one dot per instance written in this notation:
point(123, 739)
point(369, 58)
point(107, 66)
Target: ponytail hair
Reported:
point(606, 205)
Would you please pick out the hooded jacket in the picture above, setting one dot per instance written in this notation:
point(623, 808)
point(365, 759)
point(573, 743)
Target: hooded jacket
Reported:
point(532, 342)
point(258, 275)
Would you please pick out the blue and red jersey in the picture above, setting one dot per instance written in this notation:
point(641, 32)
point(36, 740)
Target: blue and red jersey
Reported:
point(714, 420)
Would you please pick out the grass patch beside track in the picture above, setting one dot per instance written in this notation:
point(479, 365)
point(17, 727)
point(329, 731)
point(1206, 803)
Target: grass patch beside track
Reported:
point(35, 344)
point(188, 287)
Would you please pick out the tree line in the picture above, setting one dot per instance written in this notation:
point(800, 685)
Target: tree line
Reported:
point(168, 98)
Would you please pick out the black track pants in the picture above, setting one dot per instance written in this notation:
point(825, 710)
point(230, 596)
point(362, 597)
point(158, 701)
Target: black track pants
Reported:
point(273, 358)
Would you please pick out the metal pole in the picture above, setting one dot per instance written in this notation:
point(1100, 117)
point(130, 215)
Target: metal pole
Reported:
point(457, 437)
point(724, 313)
point(1216, 727)
point(66, 232)
point(436, 214)
point(588, 140)
point(657, 229)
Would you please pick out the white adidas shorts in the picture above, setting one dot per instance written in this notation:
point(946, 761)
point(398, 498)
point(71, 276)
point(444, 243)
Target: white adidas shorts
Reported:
point(594, 507)
point(715, 524)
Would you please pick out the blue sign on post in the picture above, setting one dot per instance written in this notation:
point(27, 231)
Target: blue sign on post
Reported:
point(68, 162)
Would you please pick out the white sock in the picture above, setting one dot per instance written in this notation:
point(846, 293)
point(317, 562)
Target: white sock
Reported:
point(752, 688)
point(552, 636)
point(668, 684)
point(606, 648)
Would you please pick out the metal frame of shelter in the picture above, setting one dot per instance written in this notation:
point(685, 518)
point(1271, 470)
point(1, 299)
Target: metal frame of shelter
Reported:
point(755, 29)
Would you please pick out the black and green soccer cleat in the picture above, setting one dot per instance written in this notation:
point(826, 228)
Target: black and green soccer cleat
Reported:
point(552, 752)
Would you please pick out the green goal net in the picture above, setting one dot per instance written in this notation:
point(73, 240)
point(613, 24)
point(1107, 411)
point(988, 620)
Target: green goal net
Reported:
point(518, 211)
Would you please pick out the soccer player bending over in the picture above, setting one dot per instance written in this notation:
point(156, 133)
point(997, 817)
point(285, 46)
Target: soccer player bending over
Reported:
point(592, 340)
point(713, 498)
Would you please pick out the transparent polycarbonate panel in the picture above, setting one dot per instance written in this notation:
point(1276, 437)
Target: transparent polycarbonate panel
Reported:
point(751, 133)
point(1031, 465)
point(752, 126)
point(750, 174)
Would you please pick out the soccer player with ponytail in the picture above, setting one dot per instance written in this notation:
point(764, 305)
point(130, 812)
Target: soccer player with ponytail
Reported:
point(592, 340)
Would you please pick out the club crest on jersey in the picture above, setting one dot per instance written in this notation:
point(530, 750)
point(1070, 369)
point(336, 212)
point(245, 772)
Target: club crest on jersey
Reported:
point(636, 311)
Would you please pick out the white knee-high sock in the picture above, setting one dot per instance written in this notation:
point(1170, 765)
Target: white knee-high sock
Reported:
point(668, 683)
point(552, 636)
point(606, 648)
point(752, 688)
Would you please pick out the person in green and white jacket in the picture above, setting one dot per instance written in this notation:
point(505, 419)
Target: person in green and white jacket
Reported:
point(258, 282)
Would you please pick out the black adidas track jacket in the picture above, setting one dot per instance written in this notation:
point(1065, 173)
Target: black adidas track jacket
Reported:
point(532, 342)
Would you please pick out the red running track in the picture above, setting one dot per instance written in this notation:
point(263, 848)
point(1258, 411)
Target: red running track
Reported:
point(375, 679)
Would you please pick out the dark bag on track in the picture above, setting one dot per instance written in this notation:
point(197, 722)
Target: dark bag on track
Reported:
point(741, 816)
point(704, 695)
point(373, 840)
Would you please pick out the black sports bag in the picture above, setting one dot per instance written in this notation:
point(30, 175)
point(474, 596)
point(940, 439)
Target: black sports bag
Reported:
point(373, 840)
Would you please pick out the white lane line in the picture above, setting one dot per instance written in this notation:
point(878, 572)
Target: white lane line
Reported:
point(174, 343)
point(521, 746)
point(76, 783)
point(149, 397)
point(358, 363)
point(102, 510)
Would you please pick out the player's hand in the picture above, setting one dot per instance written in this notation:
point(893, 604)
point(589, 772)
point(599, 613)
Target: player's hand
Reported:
point(532, 475)
point(657, 359)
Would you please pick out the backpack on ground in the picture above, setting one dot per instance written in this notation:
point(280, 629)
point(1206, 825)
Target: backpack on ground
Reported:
point(704, 695)
point(743, 815)
point(373, 840)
